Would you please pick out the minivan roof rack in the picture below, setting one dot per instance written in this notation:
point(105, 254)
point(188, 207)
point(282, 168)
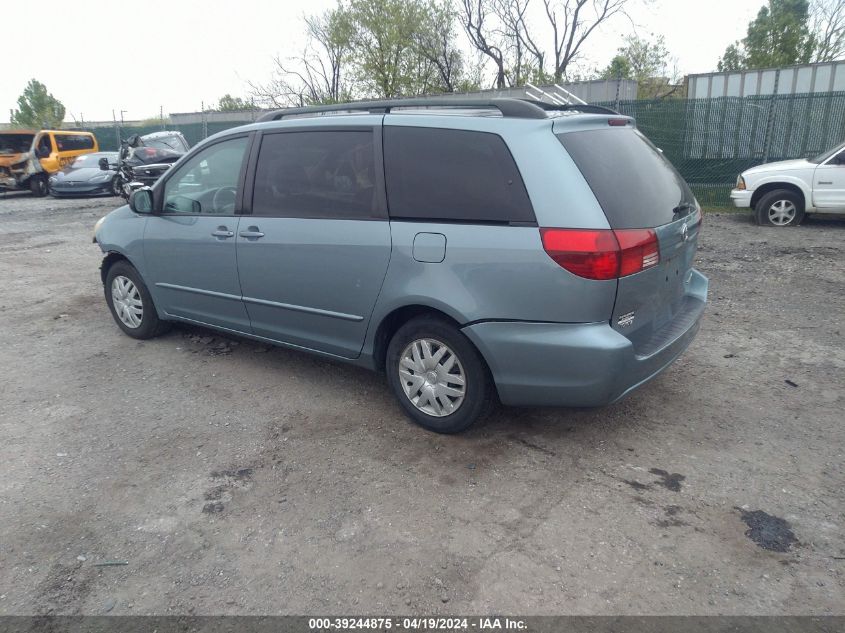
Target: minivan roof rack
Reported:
point(586, 108)
point(516, 108)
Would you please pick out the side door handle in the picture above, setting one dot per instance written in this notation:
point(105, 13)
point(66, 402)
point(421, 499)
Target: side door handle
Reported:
point(252, 233)
point(223, 232)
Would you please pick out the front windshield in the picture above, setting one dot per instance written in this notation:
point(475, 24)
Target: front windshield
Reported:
point(15, 143)
point(825, 155)
point(92, 160)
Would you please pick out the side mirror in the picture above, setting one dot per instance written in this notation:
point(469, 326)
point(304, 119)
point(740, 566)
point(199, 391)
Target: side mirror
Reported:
point(141, 200)
point(103, 163)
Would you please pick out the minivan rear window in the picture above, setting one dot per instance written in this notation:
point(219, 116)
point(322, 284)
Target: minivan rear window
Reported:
point(452, 175)
point(633, 182)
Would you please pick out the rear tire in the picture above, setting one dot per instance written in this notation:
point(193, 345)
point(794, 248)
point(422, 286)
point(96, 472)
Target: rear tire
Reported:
point(130, 303)
point(433, 368)
point(779, 208)
point(38, 185)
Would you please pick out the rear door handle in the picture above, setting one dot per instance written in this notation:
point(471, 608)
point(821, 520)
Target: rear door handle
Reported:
point(223, 232)
point(252, 232)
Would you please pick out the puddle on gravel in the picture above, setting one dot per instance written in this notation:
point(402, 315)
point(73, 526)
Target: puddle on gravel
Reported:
point(769, 532)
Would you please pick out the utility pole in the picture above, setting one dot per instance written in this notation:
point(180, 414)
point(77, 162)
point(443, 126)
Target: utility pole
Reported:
point(116, 129)
point(204, 121)
point(161, 116)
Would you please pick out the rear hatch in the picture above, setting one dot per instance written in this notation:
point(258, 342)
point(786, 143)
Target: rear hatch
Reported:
point(639, 189)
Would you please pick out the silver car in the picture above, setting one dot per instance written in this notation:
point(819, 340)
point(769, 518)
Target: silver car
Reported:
point(474, 251)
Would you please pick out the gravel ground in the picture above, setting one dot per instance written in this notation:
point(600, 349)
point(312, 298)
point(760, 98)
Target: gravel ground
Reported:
point(233, 478)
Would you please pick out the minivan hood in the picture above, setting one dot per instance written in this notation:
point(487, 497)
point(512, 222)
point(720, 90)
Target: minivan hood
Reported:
point(782, 165)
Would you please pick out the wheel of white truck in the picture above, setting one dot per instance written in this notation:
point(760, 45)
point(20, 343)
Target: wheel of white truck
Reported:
point(781, 207)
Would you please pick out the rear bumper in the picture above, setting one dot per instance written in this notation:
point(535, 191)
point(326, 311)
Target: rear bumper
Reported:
point(741, 198)
point(579, 364)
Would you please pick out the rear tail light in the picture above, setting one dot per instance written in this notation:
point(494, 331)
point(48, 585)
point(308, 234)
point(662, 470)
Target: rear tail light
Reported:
point(602, 253)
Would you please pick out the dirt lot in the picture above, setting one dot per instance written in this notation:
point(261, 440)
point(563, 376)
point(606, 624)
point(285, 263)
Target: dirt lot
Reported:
point(233, 478)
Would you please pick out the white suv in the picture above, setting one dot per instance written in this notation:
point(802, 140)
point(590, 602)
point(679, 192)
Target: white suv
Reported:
point(781, 193)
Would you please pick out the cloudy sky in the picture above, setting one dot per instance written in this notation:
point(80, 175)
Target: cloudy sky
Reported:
point(100, 56)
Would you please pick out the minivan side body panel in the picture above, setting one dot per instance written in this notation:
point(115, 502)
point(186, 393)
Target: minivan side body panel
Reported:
point(312, 279)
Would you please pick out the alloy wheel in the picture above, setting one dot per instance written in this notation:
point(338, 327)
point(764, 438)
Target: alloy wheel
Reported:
point(782, 212)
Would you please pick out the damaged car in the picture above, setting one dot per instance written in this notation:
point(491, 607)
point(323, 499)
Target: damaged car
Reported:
point(28, 158)
point(85, 178)
point(143, 159)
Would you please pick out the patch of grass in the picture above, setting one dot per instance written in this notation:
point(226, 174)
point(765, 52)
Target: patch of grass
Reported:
point(726, 209)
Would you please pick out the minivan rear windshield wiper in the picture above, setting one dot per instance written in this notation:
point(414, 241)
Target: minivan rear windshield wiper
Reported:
point(681, 208)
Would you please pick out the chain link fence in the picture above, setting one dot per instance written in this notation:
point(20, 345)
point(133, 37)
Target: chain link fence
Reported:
point(710, 141)
point(194, 132)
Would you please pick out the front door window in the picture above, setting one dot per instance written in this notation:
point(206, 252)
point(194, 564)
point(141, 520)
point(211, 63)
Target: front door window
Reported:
point(208, 183)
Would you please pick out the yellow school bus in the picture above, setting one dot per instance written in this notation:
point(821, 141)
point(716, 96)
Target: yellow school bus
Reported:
point(28, 157)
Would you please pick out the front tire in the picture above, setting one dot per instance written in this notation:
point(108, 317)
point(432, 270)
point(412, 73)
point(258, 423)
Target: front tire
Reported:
point(116, 189)
point(437, 375)
point(38, 186)
point(130, 303)
point(781, 207)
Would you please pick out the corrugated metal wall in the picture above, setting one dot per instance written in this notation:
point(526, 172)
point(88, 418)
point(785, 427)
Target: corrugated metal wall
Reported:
point(809, 78)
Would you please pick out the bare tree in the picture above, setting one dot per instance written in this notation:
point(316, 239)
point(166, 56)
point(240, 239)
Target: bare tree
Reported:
point(828, 26)
point(519, 26)
point(318, 74)
point(572, 22)
point(500, 30)
point(478, 19)
point(436, 44)
point(525, 56)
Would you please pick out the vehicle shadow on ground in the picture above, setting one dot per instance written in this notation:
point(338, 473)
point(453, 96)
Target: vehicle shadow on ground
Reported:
point(546, 426)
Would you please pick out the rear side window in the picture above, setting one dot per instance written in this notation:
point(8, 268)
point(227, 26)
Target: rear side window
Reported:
point(634, 184)
point(73, 142)
point(328, 174)
point(452, 175)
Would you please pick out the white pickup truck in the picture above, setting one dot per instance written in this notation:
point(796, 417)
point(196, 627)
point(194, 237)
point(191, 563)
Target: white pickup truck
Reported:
point(781, 193)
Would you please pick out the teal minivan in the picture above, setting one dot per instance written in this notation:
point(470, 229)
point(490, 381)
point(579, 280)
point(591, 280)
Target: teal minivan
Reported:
point(474, 251)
